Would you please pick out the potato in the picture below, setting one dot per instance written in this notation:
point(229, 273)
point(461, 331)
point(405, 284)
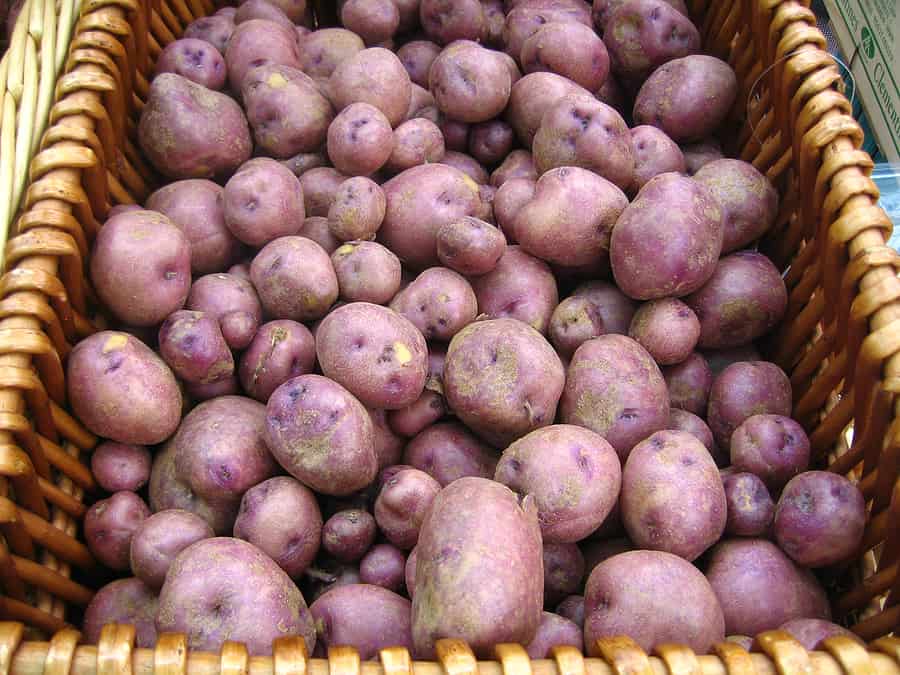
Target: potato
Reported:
point(820, 519)
point(520, 287)
point(216, 30)
point(682, 420)
point(502, 379)
point(286, 111)
point(263, 201)
point(120, 466)
point(421, 105)
point(554, 631)
point(141, 267)
point(294, 279)
point(296, 10)
point(573, 475)
point(531, 97)
point(773, 447)
point(377, 354)
point(259, 42)
point(701, 153)
point(748, 199)
point(316, 228)
point(572, 50)
point(687, 97)
point(448, 451)
point(334, 455)
point(442, 194)
point(570, 219)
point(439, 302)
point(494, 22)
point(280, 350)
point(325, 49)
point(577, 130)
point(720, 359)
point(470, 246)
point(667, 241)
point(615, 389)
point(508, 201)
point(419, 415)
point(373, 20)
point(746, 389)
point(654, 153)
point(360, 140)
point(198, 392)
point(446, 21)
point(281, 517)
point(655, 598)
point(603, 8)
point(409, 572)
point(121, 390)
point(517, 164)
point(612, 94)
point(401, 506)
point(750, 507)
point(667, 328)
point(477, 529)
point(812, 632)
point(192, 345)
point(337, 613)
point(689, 383)
point(226, 589)
point(320, 186)
point(525, 18)
point(563, 571)
point(388, 445)
point(467, 164)
point(572, 608)
point(159, 539)
point(374, 76)
point(366, 272)
point(760, 589)
point(125, 601)
point(304, 161)
point(383, 565)
point(233, 301)
point(491, 141)
point(469, 83)
point(594, 309)
point(416, 141)
point(262, 9)
point(109, 526)
point(416, 57)
point(456, 134)
point(194, 59)
point(348, 534)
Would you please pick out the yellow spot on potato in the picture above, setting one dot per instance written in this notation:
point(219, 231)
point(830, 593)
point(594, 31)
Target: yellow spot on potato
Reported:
point(346, 249)
point(470, 182)
point(116, 341)
point(402, 352)
point(276, 80)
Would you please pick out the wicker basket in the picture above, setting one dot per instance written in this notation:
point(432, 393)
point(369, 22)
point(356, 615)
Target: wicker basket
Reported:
point(840, 340)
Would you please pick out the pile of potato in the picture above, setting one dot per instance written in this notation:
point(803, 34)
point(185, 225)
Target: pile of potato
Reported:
point(423, 333)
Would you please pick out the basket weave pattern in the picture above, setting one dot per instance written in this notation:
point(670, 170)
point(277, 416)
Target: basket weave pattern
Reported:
point(839, 343)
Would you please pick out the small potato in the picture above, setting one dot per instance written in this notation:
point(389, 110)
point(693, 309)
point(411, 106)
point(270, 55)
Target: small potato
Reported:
point(494, 20)
point(325, 49)
point(280, 350)
point(347, 535)
point(181, 126)
point(216, 30)
point(109, 526)
point(572, 50)
point(320, 186)
point(360, 140)
point(287, 113)
point(417, 57)
point(469, 83)
point(470, 246)
point(336, 615)
point(748, 199)
point(654, 153)
point(384, 565)
point(750, 507)
point(191, 343)
point(488, 385)
point(820, 519)
point(467, 164)
point(667, 329)
point(688, 97)
point(120, 466)
point(366, 272)
point(374, 76)
point(233, 301)
point(563, 571)
point(667, 241)
point(330, 446)
point(603, 8)
point(121, 390)
point(508, 201)
point(524, 19)
point(195, 59)
point(811, 632)
point(682, 420)
point(573, 474)
point(456, 134)
point(357, 210)
point(388, 445)
point(572, 608)
point(402, 504)
point(596, 308)
point(518, 164)
point(198, 392)
point(773, 447)
point(448, 451)
point(699, 154)
point(304, 161)
point(262, 9)
point(125, 601)
point(160, 538)
point(439, 302)
point(554, 631)
point(295, 10)
point(720, 359)
point(446, 21)
point(627, 595)
point(491, 141)
point(746, 389)
point(377, 354)
point(141, 267)
point(294, 279)
point(615, 389)
point(373, 20)
point(570, 219)
point(416, 141)
point(534, 95)
point(520, 287)
point(259, 42)
point(421, 414)
point(316, 228)
point(421, 105)
point(281, 517)
point(263, 201)
point(689, 383)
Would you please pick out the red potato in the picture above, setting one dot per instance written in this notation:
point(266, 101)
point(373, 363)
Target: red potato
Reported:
point(812, 632)
point(373, 20)
point(682, 420)
point(613, 95)
point(563, 571)
point(304, 161)
point(689, 383)
point(421, 105)
point(603, 8)
point(280, 350)
point(750, 507)
point(233, 301)
point(525, 18)
point(491, 141)
point(383, 565)
point(320, 185)
point(262, 9)
point(554, 631)
point(773, 447)
point(259, 42)
point(215, 29)
point(572, 50)
point(448, 451)
point(517, 164)
point(296, 10)
point(325, 49)
point(388, 445)
point(469, 83)
point(120, 466)
point(654, 153)
point(470, 246)
point(159, 539)
point(360, 140)
point(416, 141)
point(203, 392)
point(316, 228)
point(594, 309)
point(321, 435)
point(402, 504)
point(374, 76)
point(468, 165)
point(195, 59)
point(348, 534)
point(121, 390)
point(720, 359)
point(409, 573)
point(445, 21)
point(699, 154)
point(667, 329)
point(494, 20)
point(531, 97)
point(263, 201)
point(366, 272)
point(417, 57)
point(439, 302)
point(508, 201)
point(124, 601)
point(425, 411)
point(109, 526)
point(572, 608)
point(456, 134)
point(191, 343)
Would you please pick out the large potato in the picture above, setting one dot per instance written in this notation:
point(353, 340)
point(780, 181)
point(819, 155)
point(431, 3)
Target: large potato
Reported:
point(447, 20)
point(325, 49)
point(469, 83)
point(258, 42)
point(448, 451)
point(373, 20)
point(477, 530)
point(374, 76)
point(572, 50)
point(262, 201)
point(531, 97)
point(160, 538)
point(360, 140)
